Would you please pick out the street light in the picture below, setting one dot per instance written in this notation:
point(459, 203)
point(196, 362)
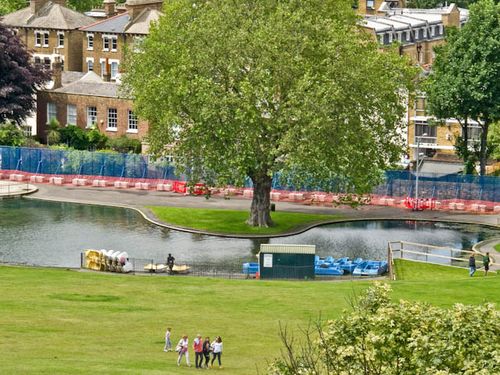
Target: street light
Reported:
point(417, 137)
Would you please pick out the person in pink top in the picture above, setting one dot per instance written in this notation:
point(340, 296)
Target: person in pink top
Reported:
point(198, 351)
point(183, 350)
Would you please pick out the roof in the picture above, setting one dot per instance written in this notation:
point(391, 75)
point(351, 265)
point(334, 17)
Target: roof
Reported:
point(287, 249)
point(440, 168)
point(49, 16)
point(87, 84)
point(122, 23)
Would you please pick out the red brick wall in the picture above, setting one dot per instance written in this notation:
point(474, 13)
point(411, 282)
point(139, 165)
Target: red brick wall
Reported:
point(82, 102)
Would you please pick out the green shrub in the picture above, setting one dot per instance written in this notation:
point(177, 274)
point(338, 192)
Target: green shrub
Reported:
point(125, 145)
point(383, 337)
point(11, 135)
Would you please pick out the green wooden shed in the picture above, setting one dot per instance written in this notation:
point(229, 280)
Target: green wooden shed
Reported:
point(284, 261)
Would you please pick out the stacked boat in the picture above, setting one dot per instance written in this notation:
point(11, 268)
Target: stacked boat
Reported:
point(107, 260)
point(371, 268)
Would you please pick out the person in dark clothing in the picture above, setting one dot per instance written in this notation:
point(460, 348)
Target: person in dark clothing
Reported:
point(170, 262)
point(472, 265)
point(206, 350)
point(486, 263)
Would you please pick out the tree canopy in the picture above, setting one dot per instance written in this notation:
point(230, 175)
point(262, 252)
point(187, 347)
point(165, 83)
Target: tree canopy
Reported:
point(19, 78)
point(384, 337)
point(254, 87)
point(465, 81)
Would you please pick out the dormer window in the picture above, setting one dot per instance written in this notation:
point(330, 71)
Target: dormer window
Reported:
point(90, 42)
point(60, 40)
point(370, 4)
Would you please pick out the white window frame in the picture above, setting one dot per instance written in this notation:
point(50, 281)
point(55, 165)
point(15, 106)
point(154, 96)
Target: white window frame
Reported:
point(91, 116)
point(114, 44)
point(90, 45)
point(71, 114)
point(102, 63)
point(114, 72)
point(60, 38)
point(51, 111)
point(46, 39)
point(133, 122)
point(112, 119)
point(90, 62)
point(370, 4)
point(38, 38)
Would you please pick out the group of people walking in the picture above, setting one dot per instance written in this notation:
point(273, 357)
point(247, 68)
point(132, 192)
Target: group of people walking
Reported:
point(486, 264)
point(203, 350)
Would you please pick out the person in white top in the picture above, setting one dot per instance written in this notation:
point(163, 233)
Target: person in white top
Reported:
point(168, 343)
point(217, 351)
point(183, 350)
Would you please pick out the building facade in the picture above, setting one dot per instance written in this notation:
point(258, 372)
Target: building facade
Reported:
point(50, 29)
point(87, 101)
point(417, 32)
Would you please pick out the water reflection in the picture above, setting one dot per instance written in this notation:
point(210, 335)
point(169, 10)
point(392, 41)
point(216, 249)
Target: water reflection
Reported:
point(51, 233)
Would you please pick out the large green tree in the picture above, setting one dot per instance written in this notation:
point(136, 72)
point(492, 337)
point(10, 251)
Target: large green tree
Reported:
point(253, 87)
point(466, 75)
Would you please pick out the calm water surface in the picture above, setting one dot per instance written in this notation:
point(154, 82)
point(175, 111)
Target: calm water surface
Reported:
point(54, 234)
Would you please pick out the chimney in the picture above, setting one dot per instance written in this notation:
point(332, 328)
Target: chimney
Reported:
point(135, 7)
point(57, 73)
point(451, 17)
point(106, 75)
point(109, 7)
point(36, 5)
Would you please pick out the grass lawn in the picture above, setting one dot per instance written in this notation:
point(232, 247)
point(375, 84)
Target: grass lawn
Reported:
point(67, 322)
point(233, 221)
point(497, 247)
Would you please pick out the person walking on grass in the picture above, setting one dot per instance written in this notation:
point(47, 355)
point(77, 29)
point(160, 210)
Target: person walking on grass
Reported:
point(486, 263)
point(183, 350)
point(472, 265)
point(207, 348)
point(217, 351)
point(198, 351)
point(168, 342)
point(170, 263)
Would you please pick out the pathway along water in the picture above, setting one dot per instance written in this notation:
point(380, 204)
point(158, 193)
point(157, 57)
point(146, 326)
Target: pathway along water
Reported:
point(54, 233)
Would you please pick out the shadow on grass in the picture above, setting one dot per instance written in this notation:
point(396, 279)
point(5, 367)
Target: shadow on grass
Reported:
point(75, 297)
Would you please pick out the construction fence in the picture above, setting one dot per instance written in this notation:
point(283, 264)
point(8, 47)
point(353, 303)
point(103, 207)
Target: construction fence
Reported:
point(100, 169)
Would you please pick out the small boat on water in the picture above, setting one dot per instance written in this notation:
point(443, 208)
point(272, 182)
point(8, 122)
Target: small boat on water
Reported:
point(180, 269)
point(151, 267)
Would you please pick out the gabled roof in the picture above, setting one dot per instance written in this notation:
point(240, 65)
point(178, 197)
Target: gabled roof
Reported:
point(89, 84)
point(50, 16)
point(122, 24)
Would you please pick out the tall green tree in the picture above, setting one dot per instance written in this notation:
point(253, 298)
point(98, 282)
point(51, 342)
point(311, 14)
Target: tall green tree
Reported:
point(19, 78)
point(253, 87)
point(466, 75)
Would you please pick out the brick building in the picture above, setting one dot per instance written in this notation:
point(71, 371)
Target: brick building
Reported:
point(104, 41)
point(86, 100)
point(50, 29)
point(418, 32)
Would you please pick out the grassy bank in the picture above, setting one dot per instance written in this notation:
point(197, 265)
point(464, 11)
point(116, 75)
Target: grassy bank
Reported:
point(233, 221)
point(497, 247)
point(67, 322)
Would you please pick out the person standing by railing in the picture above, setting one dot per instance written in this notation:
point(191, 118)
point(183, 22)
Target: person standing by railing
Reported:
point(472, 265)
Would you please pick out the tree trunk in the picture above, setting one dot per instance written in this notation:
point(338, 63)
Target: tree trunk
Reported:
point(483, 152)
point(260, 211)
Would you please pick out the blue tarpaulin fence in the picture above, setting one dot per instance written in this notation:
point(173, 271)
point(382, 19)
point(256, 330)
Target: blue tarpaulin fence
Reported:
point(85, 163)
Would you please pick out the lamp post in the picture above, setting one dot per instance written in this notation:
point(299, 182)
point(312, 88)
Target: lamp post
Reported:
point(417, 137)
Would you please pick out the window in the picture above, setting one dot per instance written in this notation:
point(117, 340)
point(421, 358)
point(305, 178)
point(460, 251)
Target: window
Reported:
point(46, 39)
point(103, 67)
point(473, 134)
point(404, 37)
point(38, 39)
point(90, 65)
point(71, 114)
point(27, 130)
point(370, 4)
point(112, 119)
point(387, 38)
point(105, 43)
point(114, 69)
point(132, 122)
point(46, 62)
point(60, 40)
point(91, 116)
point(38, 60)
point(90, 41)
point(420, 103)
point(51, 111)
point(114, 44)
point(430, 132)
